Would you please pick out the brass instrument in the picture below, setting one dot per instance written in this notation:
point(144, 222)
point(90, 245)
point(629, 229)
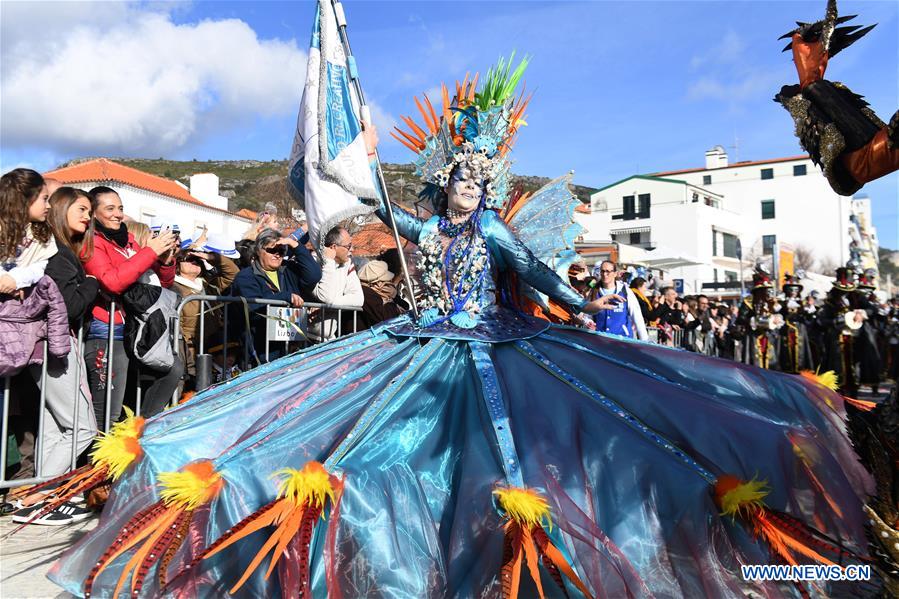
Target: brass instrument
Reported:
point(769, 318)
point(851, 325)
point(772, 322)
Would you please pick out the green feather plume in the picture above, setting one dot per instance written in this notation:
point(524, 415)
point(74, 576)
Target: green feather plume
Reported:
point(500, 83)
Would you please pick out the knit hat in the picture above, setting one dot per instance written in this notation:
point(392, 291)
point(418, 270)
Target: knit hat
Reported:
point(375, 271)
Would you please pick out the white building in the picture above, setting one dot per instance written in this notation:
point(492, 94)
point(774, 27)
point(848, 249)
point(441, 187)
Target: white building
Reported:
point(668, 215)
point(205, 187)
point(701, 213)
point(146, 197)
point(781, 200)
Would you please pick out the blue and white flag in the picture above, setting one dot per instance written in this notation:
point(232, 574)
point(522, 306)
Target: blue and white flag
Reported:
point(328, 171)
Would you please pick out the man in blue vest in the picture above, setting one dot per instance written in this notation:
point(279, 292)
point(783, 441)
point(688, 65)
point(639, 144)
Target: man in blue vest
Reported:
point(625, 319)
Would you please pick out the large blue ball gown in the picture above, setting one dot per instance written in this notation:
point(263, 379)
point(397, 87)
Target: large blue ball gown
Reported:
point(417, 427)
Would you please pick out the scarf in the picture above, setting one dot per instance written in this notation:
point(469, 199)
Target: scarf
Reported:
point(117, 236)
point(642, 297)
point(196, 285)
point(30, 251)
point(645, 300)
point(386, 289)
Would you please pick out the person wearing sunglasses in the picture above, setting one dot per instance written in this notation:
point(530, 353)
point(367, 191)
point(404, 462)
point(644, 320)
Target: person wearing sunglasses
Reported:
point(281, 268)
point(625, 319)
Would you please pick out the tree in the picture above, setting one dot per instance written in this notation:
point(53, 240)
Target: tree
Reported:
point(803, 258)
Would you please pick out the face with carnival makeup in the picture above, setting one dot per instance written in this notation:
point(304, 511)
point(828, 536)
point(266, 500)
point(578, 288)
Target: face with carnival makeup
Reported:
point(464, 191)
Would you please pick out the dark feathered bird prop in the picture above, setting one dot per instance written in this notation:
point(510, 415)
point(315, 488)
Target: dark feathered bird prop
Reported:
point(834, 38)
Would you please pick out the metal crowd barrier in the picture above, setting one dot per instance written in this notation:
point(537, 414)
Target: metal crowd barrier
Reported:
point(674, 337)
point(246, 303)
point(80, 367)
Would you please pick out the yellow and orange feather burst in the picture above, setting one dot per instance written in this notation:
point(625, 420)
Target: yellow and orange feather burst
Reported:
point(526, 542)
point(160, 528)
point(785, 535)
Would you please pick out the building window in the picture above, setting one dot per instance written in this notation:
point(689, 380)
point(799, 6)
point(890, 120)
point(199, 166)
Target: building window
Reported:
point(767, 173)
point(695, 197)
point(768, 242)
point(641, 238)
point(644, 206)
point(714, 243)
point(629, 209)
point(730, 276)
point(767, 209)
point(799, 170)
point(706, 179)
point(729, 245)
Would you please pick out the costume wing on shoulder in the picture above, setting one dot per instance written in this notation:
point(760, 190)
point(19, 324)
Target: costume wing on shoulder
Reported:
point(544, 222)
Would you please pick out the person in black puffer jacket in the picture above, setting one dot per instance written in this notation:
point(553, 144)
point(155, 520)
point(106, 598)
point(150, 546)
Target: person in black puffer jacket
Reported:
point(70, 221)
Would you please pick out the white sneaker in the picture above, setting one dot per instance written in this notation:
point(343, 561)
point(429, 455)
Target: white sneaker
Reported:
point(67, 513)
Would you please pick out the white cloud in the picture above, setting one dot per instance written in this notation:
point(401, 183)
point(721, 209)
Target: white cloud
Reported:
point(723, 75)
point(733, 90)
point(731, 49)
point(114, 78)
point(384, 121)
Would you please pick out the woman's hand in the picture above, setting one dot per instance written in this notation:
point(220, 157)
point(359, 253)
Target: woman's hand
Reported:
point(288, 241)
point(296, 301)
point(370, 136)
point(162, 243)
point(7, 284)
point(606, 302)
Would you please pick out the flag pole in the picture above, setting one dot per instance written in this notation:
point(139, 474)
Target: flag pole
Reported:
point(366, 118)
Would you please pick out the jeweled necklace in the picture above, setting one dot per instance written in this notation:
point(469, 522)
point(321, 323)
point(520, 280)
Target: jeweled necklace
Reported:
point(446, 226)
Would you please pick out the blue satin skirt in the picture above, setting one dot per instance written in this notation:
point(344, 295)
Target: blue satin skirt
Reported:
point(623, 438)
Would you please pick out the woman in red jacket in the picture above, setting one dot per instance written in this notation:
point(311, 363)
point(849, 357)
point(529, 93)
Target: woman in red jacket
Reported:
point(118, 262)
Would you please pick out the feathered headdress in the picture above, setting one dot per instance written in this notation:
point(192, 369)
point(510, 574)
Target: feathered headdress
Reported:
point(475, 130)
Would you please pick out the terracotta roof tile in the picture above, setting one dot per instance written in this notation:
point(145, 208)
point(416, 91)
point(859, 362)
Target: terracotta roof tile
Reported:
point(103, 169)
point(373, 239)
point(734, 165)
point(583, 208)
point(247, 213)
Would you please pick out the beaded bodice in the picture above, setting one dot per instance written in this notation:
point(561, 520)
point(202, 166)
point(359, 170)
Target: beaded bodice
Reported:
point(455, 272)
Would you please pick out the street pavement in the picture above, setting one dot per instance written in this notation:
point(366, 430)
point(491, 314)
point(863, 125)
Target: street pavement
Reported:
point(25, 557)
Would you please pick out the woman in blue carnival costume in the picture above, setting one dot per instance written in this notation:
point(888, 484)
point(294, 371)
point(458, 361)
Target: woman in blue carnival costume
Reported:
point(479, 451)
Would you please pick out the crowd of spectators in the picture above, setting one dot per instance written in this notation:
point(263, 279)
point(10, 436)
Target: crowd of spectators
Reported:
point(86, 297)
point(658, 313)
point(702, 324)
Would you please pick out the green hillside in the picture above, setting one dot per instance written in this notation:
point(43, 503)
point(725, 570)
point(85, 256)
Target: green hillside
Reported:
point(253, 183)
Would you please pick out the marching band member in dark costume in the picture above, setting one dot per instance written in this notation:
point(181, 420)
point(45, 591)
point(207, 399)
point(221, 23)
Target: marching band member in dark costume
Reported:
point(891, 335)
point(867, 350)
point(794, 351)
point(840, 323)
point(756, 323)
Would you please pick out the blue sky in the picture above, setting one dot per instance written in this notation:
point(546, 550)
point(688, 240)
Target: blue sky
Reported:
point(620, 87)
